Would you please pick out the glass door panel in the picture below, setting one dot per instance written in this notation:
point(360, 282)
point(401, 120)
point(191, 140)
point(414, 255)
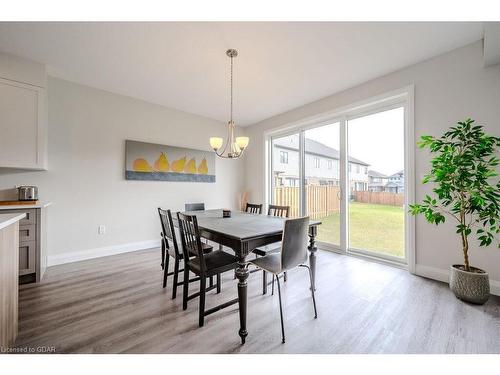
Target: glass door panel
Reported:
point(322, 180)
point(285, 172)
point(376, 183)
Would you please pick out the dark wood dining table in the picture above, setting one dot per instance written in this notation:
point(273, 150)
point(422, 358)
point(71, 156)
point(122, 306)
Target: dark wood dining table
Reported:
point(243, 232)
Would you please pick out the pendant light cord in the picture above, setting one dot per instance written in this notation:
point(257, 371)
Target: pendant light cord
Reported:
point(231, 116)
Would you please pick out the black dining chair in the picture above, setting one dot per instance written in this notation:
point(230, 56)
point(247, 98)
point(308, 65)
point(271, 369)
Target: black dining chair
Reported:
point(252, 208)
point(170, 248)
point(293, 254)
point(194, 207)
point(202, 264)
point(278, 211)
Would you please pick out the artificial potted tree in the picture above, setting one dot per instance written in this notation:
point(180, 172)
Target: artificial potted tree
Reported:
point(464, 171)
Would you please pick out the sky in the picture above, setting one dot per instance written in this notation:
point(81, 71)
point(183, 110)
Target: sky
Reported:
point(376, 139)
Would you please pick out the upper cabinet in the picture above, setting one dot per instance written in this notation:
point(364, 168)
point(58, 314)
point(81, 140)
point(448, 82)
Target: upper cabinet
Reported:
point(23, 114)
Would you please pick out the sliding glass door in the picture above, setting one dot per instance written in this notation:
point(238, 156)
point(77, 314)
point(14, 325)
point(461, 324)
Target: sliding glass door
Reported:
point(285, 173)
point(322, 180)
point(376, 184)
point(350, 174)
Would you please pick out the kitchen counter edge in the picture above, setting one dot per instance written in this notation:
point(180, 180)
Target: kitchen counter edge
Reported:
point(9, 219)
point(26, 206)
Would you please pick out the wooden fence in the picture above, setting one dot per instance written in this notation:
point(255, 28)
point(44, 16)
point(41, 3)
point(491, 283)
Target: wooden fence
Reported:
point(324, 200)
point(379, 197)
point(321, 200)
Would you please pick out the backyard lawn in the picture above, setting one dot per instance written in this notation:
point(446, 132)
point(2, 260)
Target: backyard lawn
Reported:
point(372, 227)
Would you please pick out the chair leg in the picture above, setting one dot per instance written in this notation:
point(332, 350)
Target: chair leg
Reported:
point(218, 283)
point(176, 278)
point(203, 284)
point(185, 288)
point(312, 293)
point(165, 270)
point(281, 311)
point(211, 281)
point(162, 255)
point(284, 276)
point(264, 282)
point(272, 287)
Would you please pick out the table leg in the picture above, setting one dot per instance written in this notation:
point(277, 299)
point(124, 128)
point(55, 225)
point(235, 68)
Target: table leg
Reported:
point(242, 275)
point(313, 231)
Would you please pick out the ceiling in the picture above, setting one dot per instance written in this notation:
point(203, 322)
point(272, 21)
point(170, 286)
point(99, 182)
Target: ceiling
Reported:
point(281, 65)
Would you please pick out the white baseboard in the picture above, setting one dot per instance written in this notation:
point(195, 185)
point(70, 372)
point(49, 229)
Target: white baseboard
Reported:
point(444, 275)
point(76, 256)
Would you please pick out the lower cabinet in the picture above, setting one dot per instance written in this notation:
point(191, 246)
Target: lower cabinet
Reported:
point(32, 259)
point(27, 258)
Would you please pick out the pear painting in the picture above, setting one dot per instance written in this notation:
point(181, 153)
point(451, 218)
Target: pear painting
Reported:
point(203, 168)
point(190, 166)
point(156, 162)
point(142, 165)
point(178, 165)
point(161, 164)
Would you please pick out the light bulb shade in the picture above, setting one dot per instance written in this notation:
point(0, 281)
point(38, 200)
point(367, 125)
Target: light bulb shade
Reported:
point(242, 142)
point(216, 142)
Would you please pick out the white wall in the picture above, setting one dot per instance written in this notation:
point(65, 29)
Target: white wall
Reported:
point(85, 180)
point(448, 88)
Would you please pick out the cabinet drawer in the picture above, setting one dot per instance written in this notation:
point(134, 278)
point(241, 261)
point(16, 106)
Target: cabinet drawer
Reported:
point(27, 233)
point(30, 217)
point(27, 258)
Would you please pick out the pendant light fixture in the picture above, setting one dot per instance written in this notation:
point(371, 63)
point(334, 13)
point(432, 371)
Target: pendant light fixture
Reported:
point(234, 147)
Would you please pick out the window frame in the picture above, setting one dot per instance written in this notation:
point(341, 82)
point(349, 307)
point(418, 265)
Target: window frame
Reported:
point(283, 157)
point(317, 162)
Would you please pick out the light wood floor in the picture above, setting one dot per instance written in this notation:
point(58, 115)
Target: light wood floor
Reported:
point(116, 305)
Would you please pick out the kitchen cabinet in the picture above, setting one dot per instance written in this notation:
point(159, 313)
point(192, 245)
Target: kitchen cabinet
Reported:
point(32, 233)
point(23, 114)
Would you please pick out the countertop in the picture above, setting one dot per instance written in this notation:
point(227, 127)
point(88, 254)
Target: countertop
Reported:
point(26, 206)
point(8, 219)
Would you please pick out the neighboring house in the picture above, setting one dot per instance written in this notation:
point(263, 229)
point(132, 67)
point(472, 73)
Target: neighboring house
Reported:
point(396, 183)
point(391, 184)
point(377, 181)
point(321, 164)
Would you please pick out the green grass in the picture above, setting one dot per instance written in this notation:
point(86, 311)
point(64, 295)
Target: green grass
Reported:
point(373, 227)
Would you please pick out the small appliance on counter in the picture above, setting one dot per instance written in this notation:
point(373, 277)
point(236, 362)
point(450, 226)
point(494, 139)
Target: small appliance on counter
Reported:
point(27, 193)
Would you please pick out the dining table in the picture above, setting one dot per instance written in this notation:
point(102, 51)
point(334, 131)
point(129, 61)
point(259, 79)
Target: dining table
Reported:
point(243, 232)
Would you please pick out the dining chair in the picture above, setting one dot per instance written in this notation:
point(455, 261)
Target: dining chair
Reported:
point(293, 254)
point(202, 264)
point(194, 207)
point(281, 211)
point(278, 211)
point(253, 208)
point(170, 248)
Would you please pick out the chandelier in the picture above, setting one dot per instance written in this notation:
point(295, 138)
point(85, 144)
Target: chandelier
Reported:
point(234, 147)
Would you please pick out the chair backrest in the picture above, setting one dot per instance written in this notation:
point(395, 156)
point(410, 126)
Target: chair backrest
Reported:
point(194, 207)
point(190, 238)
point(168, 231)
point(294, 242)
point(253, 208)
point(281, 211)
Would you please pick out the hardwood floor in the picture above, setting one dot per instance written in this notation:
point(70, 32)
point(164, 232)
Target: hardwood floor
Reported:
point(116, 305)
